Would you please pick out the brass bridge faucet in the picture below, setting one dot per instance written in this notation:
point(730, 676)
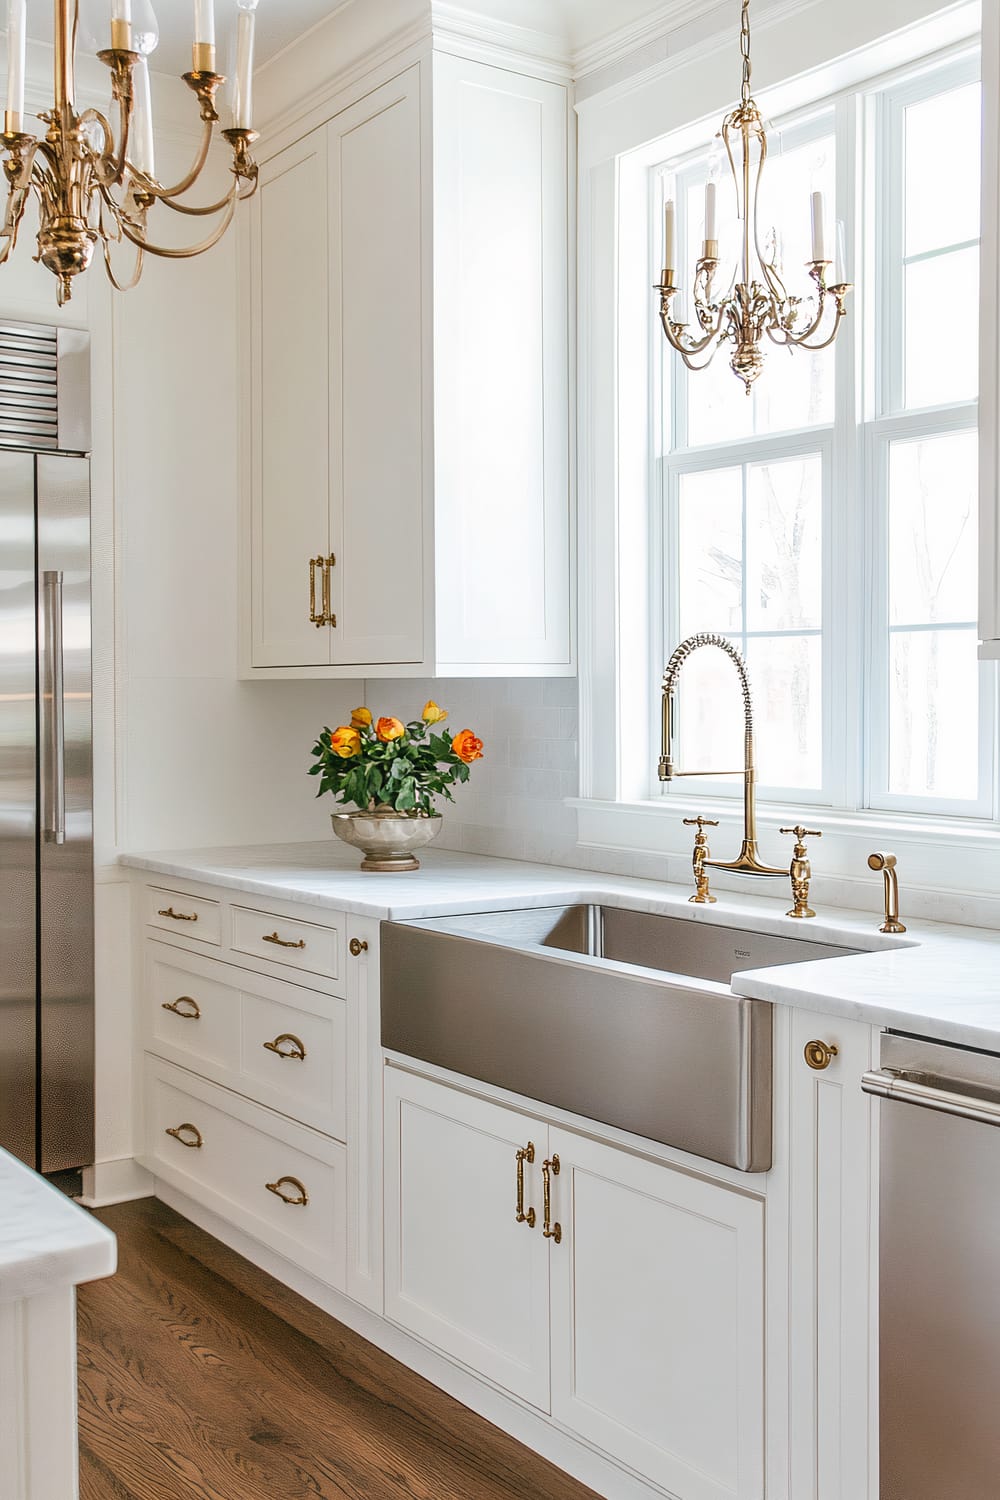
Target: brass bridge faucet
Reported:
point(748, 861)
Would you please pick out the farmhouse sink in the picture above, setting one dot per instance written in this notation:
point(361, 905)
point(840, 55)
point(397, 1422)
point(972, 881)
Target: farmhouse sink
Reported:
point(622, 1016)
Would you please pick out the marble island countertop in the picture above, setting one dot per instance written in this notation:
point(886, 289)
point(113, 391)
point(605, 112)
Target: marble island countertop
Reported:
point(46, 1240)
point(939, 980)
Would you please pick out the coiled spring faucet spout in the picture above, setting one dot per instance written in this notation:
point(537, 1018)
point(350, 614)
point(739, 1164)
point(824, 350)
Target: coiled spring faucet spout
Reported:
point(748, 862)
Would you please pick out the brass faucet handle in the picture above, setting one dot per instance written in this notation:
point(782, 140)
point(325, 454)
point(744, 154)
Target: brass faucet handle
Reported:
point(699, 860)
point(803, 833)
point(701, 822)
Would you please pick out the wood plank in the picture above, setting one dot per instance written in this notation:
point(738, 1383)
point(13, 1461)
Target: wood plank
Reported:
point(204, 1378)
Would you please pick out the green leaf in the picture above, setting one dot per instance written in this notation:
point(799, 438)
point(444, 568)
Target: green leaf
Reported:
point(406, 798)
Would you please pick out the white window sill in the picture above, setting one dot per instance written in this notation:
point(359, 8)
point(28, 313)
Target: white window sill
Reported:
point(949, 870)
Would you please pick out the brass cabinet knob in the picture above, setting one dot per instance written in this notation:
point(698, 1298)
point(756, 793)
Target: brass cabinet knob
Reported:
point(820, 1055)
point(357, 947)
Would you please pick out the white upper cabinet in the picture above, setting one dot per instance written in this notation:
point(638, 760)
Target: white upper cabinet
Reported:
point(989, 372)
point(409, 420)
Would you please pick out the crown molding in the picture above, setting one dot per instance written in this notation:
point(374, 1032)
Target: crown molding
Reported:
point(505, 44)
point(618, 45)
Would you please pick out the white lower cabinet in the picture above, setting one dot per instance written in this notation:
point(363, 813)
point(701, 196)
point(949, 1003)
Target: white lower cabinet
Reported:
point(637, 1322)
point(658, 1319)
point(461, 1272)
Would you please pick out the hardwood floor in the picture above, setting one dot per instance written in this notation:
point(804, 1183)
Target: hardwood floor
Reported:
point(202, 1378)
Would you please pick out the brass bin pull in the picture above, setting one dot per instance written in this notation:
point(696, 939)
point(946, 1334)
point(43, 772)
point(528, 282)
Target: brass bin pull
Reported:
point(177, 916)
point(524, 1154)
point(820, 1055)
point(283, 942)
point(302, 1198)
point(357, 947)
point(550, 1231)
point(177, 1131)
point(295, 1048)
point(192, 1013)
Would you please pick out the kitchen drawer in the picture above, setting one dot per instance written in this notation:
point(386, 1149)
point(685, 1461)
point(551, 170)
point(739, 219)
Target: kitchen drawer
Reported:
point(283, 940)
point(183, 915)
point(281, 1045)
point(234, 1151)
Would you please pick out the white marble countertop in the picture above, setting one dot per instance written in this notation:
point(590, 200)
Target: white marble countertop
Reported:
point(46, 1240)
point(939, 980)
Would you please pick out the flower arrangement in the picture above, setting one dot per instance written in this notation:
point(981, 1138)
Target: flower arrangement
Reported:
point(385, 763)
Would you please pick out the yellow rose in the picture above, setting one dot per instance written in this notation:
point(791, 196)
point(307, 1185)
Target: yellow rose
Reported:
point(432, 714)
point(345, 742)
point(389, 729)
point(467, 747)
point(361, 718)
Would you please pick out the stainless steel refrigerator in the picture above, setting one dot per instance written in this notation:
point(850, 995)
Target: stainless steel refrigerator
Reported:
point(46, 803)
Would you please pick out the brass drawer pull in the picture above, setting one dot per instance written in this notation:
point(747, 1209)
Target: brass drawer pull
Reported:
point(191, 1014)
point(550, 1231)
point(357, 947)
point(177, 1131)
point(524, 1154)
point(275, 1187)
point(177, 916)
point(819, 1055)
point(283, 942)
point(294, 1049)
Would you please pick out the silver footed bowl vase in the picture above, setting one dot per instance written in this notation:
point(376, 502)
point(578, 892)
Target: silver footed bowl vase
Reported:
point(387, 838)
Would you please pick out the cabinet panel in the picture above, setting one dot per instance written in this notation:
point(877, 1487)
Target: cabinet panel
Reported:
point(377, 412)
point(831, 1294)
point(501, 365)
point(291, 383)
point(286, 941)
point(460, 1271)
point(657, 1326)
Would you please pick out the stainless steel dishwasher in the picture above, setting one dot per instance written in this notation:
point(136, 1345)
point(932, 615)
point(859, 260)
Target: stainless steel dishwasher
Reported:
point(939, 1335)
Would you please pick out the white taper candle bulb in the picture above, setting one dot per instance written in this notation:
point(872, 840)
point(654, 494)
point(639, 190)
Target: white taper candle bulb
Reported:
point(204, 22)
point(818, 228)
point(669, 235)
point(16, 33)
point(141, 150)
point(243, 86)
point(710, 224)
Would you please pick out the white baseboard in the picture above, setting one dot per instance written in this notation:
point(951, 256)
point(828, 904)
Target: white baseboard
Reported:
point(109, 1182)
point(521, 1422)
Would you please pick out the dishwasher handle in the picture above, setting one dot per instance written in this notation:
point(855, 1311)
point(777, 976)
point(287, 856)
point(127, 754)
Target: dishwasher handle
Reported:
point(904, 1088)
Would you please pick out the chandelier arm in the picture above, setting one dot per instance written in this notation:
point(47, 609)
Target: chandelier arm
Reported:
point(692, 346)
point(164, 195)
point(841, 312)
point(204, 210)
point(122, 286)
point(166, 252)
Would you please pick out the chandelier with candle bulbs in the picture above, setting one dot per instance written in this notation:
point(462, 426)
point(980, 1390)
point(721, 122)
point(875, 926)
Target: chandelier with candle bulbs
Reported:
point(756, 304)
point(93, 190)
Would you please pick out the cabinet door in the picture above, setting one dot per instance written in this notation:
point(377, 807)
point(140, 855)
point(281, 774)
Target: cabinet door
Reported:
point(460, 1271)
point(657, 1320)
point(831, 1310)
point(378, 319)
point(501, 396)
point(291, 384)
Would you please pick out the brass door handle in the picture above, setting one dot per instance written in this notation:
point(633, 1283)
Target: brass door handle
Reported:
point(192, 1014)
point(329, 617)
point(177, 1131)
point(295, 1049)
point(283, 942)
point(819, 1055)
point(524, 1154)
point(302, 1198)
point(315, 619)
point(549, 1230)
point(177, 916)
point(357, 947)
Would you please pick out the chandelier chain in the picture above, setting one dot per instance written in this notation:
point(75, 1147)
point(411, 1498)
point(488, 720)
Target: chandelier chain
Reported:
point(745, 49)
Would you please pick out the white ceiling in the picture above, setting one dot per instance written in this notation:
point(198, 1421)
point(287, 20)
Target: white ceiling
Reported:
point(279, 22)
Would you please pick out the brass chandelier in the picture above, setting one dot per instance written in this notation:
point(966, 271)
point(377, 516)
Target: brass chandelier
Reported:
point(92, 190)
point(757, 303)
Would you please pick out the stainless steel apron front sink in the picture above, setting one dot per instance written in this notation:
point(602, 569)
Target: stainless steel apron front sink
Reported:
point(621, 1016)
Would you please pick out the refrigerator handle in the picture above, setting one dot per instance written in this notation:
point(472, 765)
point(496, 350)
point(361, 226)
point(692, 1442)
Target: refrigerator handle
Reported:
point(53, 698)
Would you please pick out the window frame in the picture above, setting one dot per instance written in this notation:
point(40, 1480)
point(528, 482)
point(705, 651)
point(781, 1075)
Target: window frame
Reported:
point(867, 123)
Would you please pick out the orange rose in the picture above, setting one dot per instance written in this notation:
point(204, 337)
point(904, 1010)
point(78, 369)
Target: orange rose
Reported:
point(389, 729)
point(345, 742)
point(467, 747)
point(361, 718)
point(432, 714)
